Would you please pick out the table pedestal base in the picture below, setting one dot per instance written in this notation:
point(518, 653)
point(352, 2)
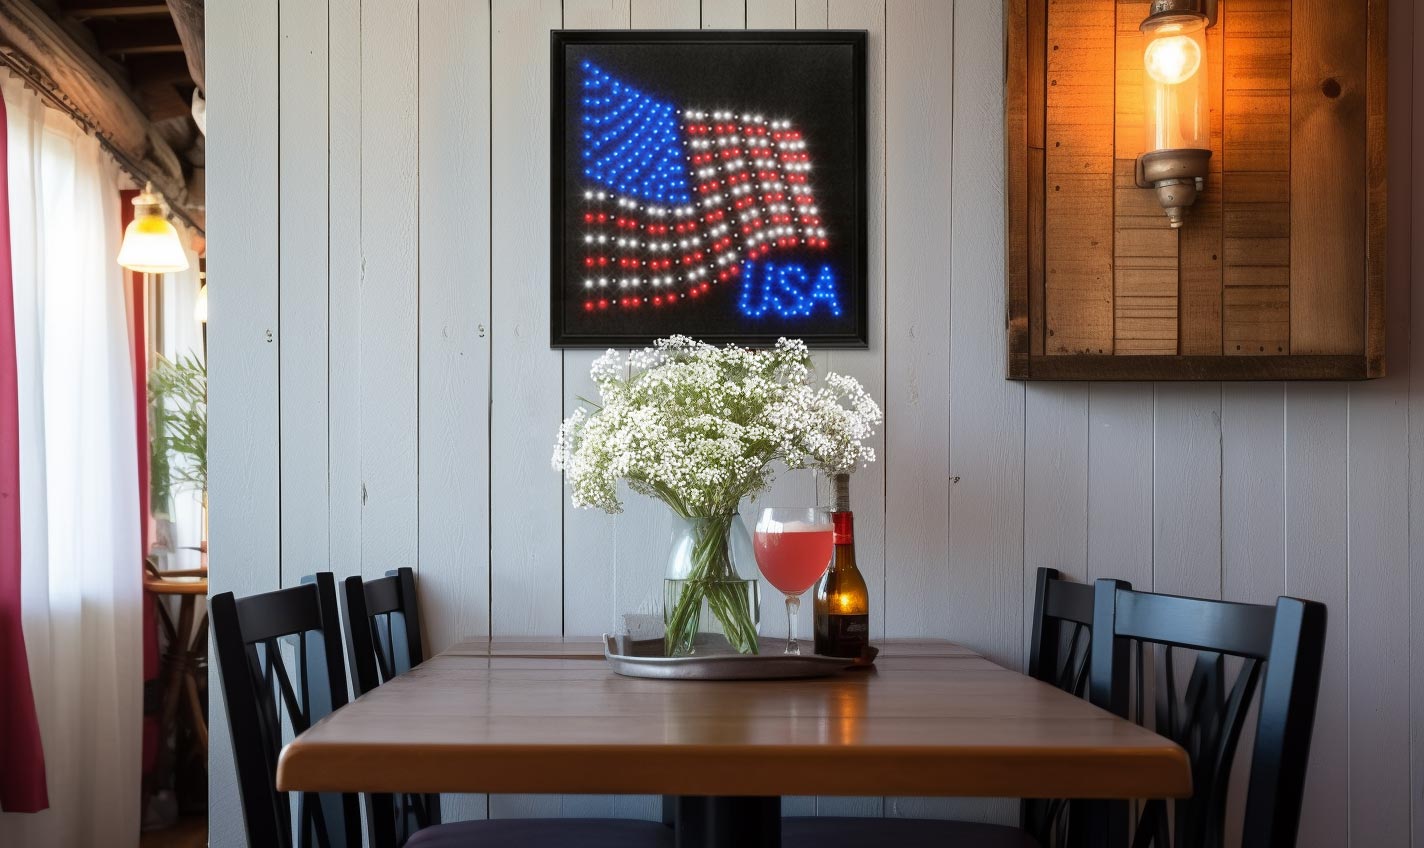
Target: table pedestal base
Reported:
point(725, 821)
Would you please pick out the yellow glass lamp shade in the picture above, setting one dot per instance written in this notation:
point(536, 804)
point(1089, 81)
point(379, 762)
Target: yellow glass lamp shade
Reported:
point(151, 243)
point(200, 306)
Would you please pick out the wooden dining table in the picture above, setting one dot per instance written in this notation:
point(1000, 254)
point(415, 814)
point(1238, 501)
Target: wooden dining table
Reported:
point(930, 718)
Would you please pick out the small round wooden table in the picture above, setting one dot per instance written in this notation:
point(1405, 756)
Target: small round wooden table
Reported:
point(185, 658)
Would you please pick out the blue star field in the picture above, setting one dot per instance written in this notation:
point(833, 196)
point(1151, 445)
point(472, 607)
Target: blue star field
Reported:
point(631, 141)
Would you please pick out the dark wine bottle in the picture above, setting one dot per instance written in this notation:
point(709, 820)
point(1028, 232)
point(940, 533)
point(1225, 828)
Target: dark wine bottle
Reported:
point(842, 620)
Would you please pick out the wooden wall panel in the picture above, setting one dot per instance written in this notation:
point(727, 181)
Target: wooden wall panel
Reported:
point(918, 119)
point(1200, 241)
point(1145, 286)
point(1120, 479)
point(771, 14)
point(589, 590)
point(919, 114)
point(302, 219)
point(454, 319)
point(1186, 497)
point(1036, 94)
point(245, 491)
point(984, 606)
point(1327, 107)
point(1317, 420)
point(1257, 177)
point(1078, 175)
point(526, 392)
point(1104, 274)
point(454, 331)
point(389, 363)
point(1022, 144)
point(1383, 800)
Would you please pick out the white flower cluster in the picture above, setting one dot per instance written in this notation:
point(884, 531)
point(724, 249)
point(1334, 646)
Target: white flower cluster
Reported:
point(697, 426)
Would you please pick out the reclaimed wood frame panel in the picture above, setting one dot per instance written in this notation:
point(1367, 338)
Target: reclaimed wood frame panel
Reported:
point(1278, 273)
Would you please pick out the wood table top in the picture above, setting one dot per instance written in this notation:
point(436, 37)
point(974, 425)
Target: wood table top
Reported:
point(529, 716)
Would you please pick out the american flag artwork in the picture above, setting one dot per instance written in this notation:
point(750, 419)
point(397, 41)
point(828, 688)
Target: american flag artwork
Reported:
point(681, 205)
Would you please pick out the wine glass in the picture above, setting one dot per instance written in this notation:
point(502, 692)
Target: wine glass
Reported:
point(793, 549)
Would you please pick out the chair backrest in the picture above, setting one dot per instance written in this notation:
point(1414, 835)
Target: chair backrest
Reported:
point(279, 657)
point(382, 642)
point(1276, 652)
point(382, 628)
point(1060, 650)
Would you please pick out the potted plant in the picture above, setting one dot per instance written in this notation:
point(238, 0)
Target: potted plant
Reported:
point(178, 409)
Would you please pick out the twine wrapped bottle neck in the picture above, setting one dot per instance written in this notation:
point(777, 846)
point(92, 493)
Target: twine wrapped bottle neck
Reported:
point(842, 499)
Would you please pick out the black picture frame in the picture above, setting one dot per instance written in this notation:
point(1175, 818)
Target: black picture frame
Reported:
point(846, 217)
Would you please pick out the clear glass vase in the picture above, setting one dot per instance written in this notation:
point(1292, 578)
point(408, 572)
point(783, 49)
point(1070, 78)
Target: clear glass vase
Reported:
point(710, 605)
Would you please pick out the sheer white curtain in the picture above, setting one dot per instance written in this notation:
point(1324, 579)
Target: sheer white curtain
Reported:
point(80, 565)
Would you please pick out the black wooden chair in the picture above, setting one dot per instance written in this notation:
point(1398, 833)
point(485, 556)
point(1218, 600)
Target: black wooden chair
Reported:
point(382, 618)
point(1277, 651)
point(383, 642)
point(265, 689)
point(1059, 654)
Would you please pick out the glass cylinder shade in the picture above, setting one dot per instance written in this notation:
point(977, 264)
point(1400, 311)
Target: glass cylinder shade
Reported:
point(1174, 81)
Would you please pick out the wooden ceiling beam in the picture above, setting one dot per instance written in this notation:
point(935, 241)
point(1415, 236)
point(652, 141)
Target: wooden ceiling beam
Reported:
point(86, 9)
point(188, 20)
point(40, 50)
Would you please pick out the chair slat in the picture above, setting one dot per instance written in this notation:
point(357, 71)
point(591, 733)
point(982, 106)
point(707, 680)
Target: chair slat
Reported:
point(1242, 630)
point(383, 595)
point(280, 613)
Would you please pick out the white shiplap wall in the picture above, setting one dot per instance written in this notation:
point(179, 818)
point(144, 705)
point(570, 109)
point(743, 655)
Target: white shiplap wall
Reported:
point(383, 393)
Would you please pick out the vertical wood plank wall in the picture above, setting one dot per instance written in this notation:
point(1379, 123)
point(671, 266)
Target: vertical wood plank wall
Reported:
point(383, 393)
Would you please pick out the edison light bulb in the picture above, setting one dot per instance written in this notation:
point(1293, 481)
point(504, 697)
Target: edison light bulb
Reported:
point(1172, 60)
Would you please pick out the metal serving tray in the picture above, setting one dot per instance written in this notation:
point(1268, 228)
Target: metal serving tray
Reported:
point(632, 659)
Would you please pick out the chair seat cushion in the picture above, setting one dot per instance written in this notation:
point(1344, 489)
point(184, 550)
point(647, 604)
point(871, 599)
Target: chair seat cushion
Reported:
point(831, 832)
point(544, 833)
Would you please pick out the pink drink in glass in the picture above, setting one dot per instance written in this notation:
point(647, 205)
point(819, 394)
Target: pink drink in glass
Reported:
point(794, 556)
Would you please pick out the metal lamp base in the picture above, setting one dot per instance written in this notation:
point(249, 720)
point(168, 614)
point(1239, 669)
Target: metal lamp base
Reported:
point(1177, 176)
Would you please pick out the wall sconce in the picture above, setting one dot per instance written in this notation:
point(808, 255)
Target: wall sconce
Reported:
point(151, 244)
point(1177, 116)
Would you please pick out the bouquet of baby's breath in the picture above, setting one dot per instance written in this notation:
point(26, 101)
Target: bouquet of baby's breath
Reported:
point(698, 426)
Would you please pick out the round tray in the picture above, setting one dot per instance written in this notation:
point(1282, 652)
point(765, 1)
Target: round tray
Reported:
point(728, 666)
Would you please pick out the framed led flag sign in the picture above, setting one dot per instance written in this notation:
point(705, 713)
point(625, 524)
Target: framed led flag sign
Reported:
point(708, 183)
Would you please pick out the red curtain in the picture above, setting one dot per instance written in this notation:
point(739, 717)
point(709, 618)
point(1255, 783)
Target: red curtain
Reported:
point(22, 772)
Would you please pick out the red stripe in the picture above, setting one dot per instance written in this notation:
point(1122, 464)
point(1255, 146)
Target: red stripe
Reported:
point(22, 770)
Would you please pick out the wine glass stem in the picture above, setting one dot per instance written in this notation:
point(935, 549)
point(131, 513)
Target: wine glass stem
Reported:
point(793, 604)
